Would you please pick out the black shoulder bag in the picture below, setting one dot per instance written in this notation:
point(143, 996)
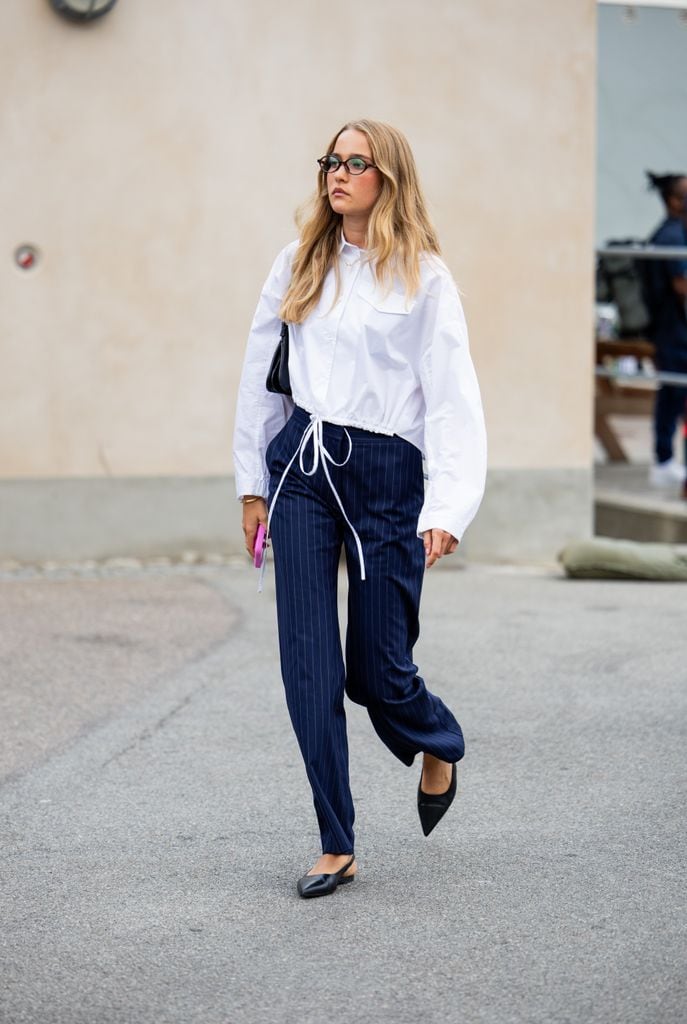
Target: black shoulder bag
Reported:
point(278, 380)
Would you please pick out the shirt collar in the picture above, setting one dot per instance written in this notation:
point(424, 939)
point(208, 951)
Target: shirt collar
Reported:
point(347, 247)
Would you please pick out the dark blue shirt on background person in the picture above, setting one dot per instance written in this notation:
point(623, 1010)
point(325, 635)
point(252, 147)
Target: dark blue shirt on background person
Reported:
point(668, 329)
point(665, 286)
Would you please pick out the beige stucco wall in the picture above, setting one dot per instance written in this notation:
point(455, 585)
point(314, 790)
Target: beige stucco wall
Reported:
point(156, 158)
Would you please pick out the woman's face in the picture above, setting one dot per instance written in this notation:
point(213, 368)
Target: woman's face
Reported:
point(353, 195)
point(677, 204)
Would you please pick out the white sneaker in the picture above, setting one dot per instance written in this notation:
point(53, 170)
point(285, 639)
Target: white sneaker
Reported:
point(666, 474)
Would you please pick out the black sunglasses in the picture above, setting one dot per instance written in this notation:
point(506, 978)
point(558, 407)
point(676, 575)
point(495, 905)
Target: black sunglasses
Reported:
point(354, 164)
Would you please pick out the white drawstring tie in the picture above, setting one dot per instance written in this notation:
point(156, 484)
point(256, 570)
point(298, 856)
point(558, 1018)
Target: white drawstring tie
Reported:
point(314, 432)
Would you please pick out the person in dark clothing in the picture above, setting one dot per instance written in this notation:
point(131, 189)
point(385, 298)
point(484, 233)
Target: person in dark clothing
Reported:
point(666, 295)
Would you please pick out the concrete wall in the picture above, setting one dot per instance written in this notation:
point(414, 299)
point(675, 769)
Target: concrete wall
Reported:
point(156, 157)
point(641, 113)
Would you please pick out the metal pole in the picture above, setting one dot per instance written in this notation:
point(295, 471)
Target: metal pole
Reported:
point(645, 252)
point(660, 377)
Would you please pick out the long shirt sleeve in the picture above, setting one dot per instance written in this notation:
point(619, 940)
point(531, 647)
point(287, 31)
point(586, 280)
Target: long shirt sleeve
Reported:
point(259, 413)
point(455, 436)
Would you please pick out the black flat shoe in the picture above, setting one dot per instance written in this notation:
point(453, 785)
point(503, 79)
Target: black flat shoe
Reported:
point(323, 885)
point(433, 806)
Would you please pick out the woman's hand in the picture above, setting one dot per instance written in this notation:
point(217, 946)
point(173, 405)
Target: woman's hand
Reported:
point(254, 513)
point(438, 543)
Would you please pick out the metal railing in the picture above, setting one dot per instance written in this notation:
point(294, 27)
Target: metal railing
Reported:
point(645, 252)
point(657, 376)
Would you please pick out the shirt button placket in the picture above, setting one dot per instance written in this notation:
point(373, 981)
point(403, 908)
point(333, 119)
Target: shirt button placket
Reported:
point(349, 275)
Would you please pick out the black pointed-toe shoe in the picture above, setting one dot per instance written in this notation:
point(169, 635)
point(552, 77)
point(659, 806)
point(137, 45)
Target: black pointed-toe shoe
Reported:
point(322, 885)
point(433, 806)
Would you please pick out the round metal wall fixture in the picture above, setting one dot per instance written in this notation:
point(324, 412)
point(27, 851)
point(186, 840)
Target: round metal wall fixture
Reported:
point(26, 256)
point(82, 10)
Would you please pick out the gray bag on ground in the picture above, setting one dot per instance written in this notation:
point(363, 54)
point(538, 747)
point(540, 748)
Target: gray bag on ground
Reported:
point(604, 558)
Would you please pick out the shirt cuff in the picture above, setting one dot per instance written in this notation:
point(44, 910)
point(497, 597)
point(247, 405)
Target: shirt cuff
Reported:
point(436, 518)
point(258, 486)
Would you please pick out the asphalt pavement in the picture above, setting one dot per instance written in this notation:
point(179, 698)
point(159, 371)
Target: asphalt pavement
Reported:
point(155, 815)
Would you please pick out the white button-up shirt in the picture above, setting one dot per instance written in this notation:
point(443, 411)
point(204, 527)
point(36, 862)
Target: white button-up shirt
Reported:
point(371, 359)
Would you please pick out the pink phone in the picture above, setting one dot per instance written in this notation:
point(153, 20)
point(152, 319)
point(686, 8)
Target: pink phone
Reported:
point(259, 546)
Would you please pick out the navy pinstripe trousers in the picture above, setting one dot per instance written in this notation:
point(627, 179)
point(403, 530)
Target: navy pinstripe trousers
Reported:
point(381, 488)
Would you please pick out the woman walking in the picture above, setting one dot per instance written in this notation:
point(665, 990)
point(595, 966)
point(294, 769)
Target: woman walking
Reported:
point(380, 374)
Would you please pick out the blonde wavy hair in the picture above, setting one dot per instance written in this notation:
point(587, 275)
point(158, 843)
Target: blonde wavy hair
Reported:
point(399, 230)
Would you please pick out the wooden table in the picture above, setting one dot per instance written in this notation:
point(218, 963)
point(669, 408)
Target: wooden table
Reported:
point(616, 399)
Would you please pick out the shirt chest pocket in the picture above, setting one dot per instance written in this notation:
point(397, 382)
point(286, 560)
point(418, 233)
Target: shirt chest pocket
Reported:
point(390, 305)
point(387, 328)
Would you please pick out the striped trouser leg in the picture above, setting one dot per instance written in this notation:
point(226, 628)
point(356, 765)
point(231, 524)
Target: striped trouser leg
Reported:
point(306, 540)
point(385, 494)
